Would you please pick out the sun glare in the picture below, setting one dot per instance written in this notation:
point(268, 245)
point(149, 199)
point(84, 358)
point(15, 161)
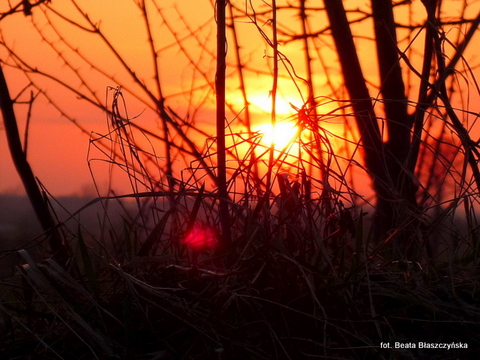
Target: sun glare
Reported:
point(281, 135)
point(263, 103)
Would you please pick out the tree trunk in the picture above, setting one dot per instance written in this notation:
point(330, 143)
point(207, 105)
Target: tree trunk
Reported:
point(386, 162)
point(25, 172)
point(402, 206)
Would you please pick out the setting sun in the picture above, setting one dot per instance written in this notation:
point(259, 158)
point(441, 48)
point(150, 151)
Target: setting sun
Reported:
point(282, 107)
point(281, 135)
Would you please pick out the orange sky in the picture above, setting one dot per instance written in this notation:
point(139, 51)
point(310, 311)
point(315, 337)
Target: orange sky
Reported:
point(57, 149)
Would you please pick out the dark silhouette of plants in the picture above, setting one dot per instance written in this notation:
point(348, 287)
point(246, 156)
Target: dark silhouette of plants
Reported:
point(19, 153)
point(392, 164)
point(391, 125)
point(231, 247)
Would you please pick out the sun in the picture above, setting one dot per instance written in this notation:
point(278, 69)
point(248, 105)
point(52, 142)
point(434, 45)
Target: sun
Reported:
point(263, 103)
point(281, 135)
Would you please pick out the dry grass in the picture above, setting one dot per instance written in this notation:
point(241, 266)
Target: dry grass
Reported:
point(302, 277)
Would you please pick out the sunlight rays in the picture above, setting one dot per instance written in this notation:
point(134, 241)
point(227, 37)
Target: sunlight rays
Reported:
point(280, 135)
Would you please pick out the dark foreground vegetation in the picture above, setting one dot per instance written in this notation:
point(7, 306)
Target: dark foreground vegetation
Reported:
point(295, 283)
point(301, 276)
point(229, 248)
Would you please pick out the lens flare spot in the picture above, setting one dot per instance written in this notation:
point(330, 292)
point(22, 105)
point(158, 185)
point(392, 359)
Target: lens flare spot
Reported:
point(201, 238)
